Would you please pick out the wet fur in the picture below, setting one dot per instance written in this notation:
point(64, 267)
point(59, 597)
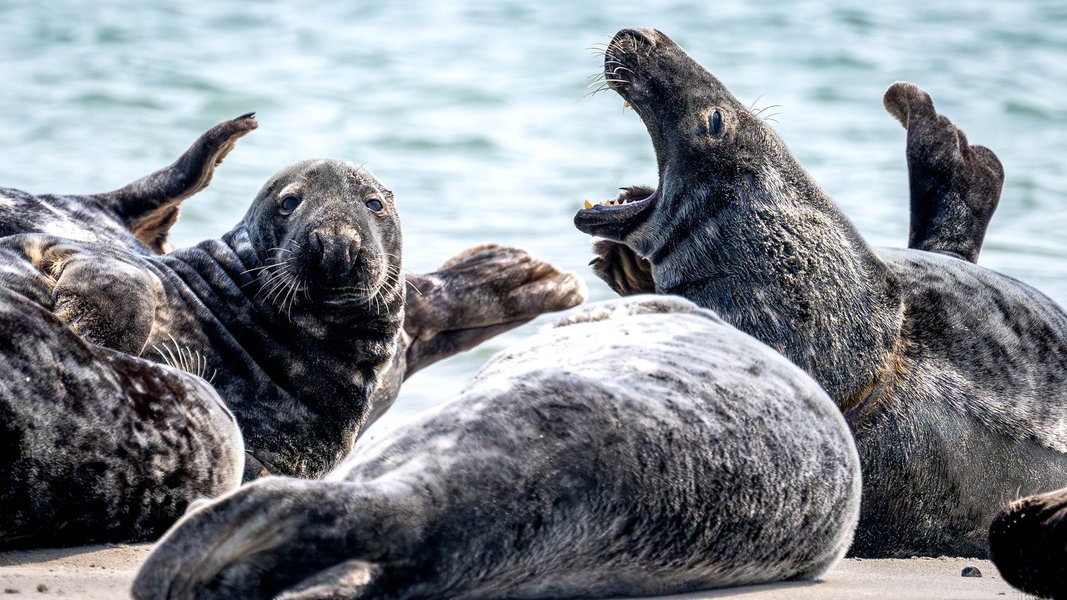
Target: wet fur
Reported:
point(703, 459)
point(1028, 544)
point(949, 374)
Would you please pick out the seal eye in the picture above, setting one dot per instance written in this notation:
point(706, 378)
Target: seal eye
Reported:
point(715, 124)
point(289, 203)
point(374, 204)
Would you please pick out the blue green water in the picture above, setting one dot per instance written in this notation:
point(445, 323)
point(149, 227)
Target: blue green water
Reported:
point(476, 114)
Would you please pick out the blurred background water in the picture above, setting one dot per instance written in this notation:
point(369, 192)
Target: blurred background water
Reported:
point(476, 114)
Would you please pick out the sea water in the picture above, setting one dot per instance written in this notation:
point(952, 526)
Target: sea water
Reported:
point(479, 117)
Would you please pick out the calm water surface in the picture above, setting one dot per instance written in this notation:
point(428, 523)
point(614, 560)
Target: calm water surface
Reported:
point(476, 113)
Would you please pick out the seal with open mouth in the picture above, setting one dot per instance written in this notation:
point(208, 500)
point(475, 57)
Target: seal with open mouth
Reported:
point(951, 376)
point(703, 460)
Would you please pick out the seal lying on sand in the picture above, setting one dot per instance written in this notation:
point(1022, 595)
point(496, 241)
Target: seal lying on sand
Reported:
point(703, 459)
point(294, 315)
point(474, 296)
point(945, 371)
point(97, 445)
point(1028, 544)
point(146, 208)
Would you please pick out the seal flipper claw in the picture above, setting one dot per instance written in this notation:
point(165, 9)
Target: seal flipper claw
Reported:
point(955, 187)
point(622, 269)
point(149, 206)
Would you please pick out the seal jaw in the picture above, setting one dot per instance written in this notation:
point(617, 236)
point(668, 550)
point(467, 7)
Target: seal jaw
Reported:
point(615, 219)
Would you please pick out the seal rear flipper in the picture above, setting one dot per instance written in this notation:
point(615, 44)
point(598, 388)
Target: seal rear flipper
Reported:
point(478, 294)
point(149, 206)
point(955, 187)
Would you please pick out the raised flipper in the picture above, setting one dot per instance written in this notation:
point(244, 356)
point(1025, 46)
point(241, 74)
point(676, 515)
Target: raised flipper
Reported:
point(1028, 544)
point(955, 187)
point(617, 264)
point(478, 294)
point(149, 206)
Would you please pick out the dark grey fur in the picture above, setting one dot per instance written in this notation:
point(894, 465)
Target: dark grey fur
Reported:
point(641, 447)
point(476, 295)
point(1028, 544)
point(97, 445)
point(138, 216)
point(294, 315)
point(951, 376)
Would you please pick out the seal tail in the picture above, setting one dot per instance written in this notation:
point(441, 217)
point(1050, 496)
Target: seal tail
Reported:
point(955, 187)
point(149, 206)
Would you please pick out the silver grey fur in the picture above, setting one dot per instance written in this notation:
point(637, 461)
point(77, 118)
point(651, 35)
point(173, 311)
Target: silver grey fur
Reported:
point(641, 447)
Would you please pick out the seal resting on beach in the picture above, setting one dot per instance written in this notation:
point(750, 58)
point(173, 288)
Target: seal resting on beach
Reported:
point(97, 445)
point(1028, 544)
point(482, 292)
point(950, 375)
point(641, 447)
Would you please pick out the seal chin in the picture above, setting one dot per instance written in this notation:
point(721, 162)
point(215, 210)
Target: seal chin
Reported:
point(615, 219)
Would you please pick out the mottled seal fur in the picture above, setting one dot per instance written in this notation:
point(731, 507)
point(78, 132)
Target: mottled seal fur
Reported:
point(641, 447)
point(951, 376)
point(480, 293)
point(137, 216)
point(1028, 544)
point(97, 445)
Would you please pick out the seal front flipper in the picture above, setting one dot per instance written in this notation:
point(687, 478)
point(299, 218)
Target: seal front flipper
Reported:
point(955, 187)
point(625, 272)
point(478, 294)
point(1028, 544)
point(149, 206)
point(103, 297)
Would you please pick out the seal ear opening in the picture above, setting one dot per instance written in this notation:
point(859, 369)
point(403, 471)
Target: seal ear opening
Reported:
point(350, 579)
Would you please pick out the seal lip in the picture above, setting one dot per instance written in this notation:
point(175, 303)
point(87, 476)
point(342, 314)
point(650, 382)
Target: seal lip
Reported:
point(613, 220)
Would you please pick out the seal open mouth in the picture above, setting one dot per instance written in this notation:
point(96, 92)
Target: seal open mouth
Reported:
point(614, 219)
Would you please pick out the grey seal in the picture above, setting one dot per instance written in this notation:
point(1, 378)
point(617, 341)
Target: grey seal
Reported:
point(1028, 544)
point(481, 292)
point(137, 216)
point(946, 372)
point(97, 445)
point(640, 447)
point(295, 315)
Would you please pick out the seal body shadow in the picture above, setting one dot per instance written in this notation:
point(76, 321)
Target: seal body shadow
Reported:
point(97, 445)
point(703, 459)
point(946, 372)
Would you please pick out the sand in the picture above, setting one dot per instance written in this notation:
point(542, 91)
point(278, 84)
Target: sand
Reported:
point(105, 573)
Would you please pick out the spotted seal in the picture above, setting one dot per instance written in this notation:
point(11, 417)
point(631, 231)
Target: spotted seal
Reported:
point(97, 445)
point(1028, 544)
point(945, 371)
point(702, 459)
point(477, 294)
point(138, 215)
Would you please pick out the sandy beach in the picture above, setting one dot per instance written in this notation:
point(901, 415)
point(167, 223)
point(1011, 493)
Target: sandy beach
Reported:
point(105, 572)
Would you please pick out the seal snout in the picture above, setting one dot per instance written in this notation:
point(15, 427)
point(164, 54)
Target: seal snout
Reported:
point(336, 248)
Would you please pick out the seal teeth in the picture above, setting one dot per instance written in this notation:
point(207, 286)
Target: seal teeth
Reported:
point(588, 204)
point(629, 106)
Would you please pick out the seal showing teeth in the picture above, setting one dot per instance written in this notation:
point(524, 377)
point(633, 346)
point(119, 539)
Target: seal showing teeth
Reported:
point(946, 371)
